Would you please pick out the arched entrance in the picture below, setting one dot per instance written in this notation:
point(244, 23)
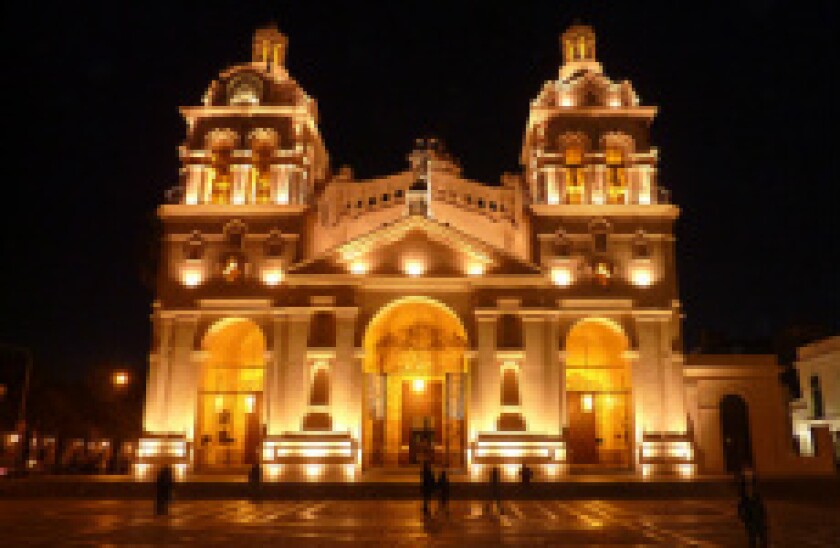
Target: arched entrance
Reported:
point(415, 385)
point(598, 395)
point(230, 394)
point(735, 433)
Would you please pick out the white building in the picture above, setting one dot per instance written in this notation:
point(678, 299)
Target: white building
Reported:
point(818, 367)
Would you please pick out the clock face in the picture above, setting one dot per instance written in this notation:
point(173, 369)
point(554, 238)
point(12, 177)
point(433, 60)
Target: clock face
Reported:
point(232, 268)
point(245, 89)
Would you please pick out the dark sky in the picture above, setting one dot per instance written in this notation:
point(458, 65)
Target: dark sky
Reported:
point(745, 133)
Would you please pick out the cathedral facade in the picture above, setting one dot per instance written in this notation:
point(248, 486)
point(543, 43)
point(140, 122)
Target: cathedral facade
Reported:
point(323, 326)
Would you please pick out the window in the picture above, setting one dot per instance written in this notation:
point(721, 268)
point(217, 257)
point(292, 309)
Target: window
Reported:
point(616, 176)
point(274, 245)
point(359, 204)
point(398, 193)
point(510, 387)
point(481, 203)
point(817, 397)
point(600, 242)
point(641, 249)
point(385, 197)
point(493, 206)
point(371, 201)
point(574, 174)
point(194, 247)
point(320, 392)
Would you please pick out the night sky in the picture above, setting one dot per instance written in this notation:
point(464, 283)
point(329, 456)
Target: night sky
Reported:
point(748, 146)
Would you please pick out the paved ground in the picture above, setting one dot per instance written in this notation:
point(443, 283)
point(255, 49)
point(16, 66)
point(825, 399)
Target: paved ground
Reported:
point(400, 523)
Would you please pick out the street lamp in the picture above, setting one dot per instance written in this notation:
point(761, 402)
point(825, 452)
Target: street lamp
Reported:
point(120, 379)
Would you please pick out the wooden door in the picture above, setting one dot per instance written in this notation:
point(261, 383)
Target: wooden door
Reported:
point(581, 443)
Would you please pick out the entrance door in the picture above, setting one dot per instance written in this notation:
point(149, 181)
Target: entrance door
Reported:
point(230, 429)
point(735, 433)
point(582, 442)
point(422, 414)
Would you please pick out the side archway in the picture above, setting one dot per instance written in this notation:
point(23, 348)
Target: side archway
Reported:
point(230, 394)
point(598, 394)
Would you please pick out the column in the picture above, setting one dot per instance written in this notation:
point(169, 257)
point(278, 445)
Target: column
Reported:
point(279, 184)
point(275, 376)
point(647, 379)
point(485, 399)
point(554, 387)
point(192, 191)
point(159, 380)
point(183, 377)
point(346, 378)
point(295, 379)
point(532, 373)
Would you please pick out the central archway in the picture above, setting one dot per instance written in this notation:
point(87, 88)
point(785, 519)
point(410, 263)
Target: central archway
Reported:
point(598, 394)
point(230, 394)
point(415, 385)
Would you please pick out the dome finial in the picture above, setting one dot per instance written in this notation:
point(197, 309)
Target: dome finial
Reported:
point(269, 47)
point(578, 43)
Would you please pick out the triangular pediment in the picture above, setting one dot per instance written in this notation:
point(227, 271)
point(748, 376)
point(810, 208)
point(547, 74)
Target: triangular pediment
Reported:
point(419, 246)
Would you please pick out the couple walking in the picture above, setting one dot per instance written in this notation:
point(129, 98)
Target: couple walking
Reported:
point(429, 485)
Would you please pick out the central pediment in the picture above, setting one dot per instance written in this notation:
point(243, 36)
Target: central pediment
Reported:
point(416, 246)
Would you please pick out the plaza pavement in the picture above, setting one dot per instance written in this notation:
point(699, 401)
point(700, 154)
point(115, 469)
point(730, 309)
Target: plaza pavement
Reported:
point(705, 522)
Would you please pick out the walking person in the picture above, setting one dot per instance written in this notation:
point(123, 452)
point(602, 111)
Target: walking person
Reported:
point(163, 490)
point(752, 513)
point(496, 488)
point(525, 475)
point(254, 481)
point(443, 492)
point(427, 480)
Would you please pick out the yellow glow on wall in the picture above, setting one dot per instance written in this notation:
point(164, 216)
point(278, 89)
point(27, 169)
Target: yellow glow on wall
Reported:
point(418, 385)
point(586, 403)
point(192, 273)
point(561, 276)
point(641, 275)
point(358, 268)
point(272, 275)
point(250, 402)
point(414, 267)
point(475, 269)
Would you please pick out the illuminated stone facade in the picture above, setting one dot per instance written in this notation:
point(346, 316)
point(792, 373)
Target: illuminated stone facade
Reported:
point(325, 325)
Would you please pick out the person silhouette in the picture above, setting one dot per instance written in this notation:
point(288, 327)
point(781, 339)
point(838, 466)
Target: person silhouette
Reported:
point(526, 474)
point(427, 485)
point(443, 491)
point(163, 490)
point(255, 480)
point(496, 488)
point(752, 512)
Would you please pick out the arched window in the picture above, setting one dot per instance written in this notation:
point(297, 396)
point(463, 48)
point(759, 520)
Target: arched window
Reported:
point(194, 247)
point(573, 160)
point(510, 386)
point(274, 244)
point(319, 394)
point(263, 143)
point(616, 175)
point(234, 233)
point(641, 248)
point(509, 331)
point(322, 330)
point(562, 244)
point(221, 144)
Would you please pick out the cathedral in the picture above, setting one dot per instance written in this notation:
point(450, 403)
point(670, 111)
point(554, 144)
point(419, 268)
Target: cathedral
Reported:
point(323, 326)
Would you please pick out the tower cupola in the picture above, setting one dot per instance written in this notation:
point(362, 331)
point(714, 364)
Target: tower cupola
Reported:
point(269, 48)
point(578, 43)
